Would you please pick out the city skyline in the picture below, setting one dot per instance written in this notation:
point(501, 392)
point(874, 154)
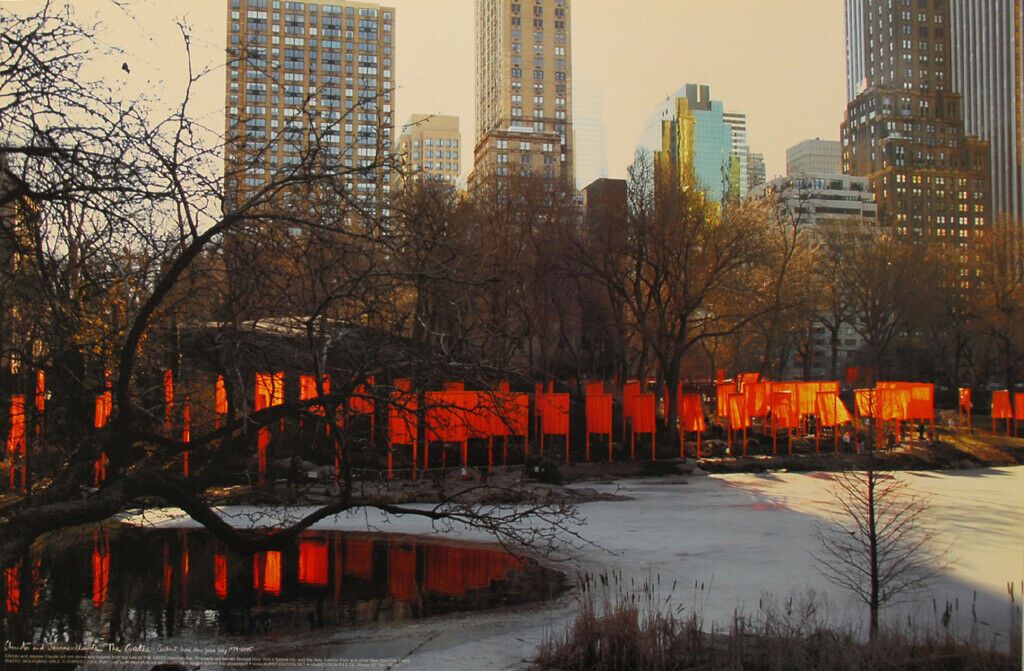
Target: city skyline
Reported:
point(435, 62)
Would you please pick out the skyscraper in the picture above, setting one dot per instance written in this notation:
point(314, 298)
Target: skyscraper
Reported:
point(738, 178)
point(855, 81)
point(691, 142)
point(430, 147)
point(905, 130)
point(988, 68)
point(524, 89)
point(302, 72)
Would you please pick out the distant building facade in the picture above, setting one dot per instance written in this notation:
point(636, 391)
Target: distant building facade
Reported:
point(757, 174)
point(815, 156)
point(824, 198)
point(739, 162)
point(691, 143)
point(430, 147)
point(524, 89)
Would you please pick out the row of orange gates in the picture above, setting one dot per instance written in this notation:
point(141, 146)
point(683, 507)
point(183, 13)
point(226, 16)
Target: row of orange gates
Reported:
point(455, 415)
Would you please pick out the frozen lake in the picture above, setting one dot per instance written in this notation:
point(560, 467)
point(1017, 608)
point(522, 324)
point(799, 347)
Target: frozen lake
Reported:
point(742, 537)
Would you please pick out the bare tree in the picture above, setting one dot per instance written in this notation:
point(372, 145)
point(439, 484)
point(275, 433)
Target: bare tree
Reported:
point(876, 546)
point(135, 257)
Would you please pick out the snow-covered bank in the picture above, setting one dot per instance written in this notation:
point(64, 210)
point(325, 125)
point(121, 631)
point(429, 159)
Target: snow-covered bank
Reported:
point(741, 536)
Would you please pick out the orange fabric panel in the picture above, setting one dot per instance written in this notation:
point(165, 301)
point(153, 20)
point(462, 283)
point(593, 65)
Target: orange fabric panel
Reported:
point(402, 572)
point(691, 413)
point(830, 410)
point(402, 427)
point(758, 395)
point(168, 387)
point(738, 416)
point(264, 393)
point(720, 376)
point(630, 390)
point(922, 401)
point(599, 413)
point(186, 422)
point(361, 401)
point(16, 435)
point(644, 414)
point(748, 378)
point(866, 401)
point(783, 410)
point(722, 393)
point(511, 416)
point(504, 386)
point(555, 414)
point(1001, 408)
point(12, 582)
point(220, 397)
point(1018, 406)
point(266, 569)
point(307, 387)
point(478, 408)
point(40, 391)
point(313, 562)
point(220, 575)
point(893, 403)
point(966, 402)
point(442, 418)
point(593, 388)
point(99, 416)
point(100, 577)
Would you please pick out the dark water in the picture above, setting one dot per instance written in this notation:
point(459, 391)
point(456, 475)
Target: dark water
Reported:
point(127, 585)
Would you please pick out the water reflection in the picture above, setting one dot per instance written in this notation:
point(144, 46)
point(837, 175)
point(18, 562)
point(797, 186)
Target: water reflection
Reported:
point(128, 585)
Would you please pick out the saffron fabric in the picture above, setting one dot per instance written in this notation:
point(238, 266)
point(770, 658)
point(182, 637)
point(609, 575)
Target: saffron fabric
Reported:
point(691, 413)
point(738, 416)
point(830, 410)
point(966, 402)
point(220, 397)
point(554, 414)
point(599, 413)
point(783, 410)
point(643, 413)
point(722, 393)
point(1001, 408)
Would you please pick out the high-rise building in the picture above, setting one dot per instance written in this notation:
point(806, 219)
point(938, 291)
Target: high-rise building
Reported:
point(524, 89)
point(691, 143)
point(814, 156)
point(299, 73)
point(905, 130)
point(430, 147)
point(988, 69)
point(757, 174)
point(855, 78)
point(739, 161)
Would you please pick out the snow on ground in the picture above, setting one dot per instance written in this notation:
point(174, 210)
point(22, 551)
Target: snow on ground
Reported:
point(726, 541)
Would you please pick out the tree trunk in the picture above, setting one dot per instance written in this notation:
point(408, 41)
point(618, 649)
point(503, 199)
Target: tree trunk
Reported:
point(873, 604)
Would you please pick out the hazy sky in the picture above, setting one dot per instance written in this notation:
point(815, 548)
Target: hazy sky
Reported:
point(779, 61)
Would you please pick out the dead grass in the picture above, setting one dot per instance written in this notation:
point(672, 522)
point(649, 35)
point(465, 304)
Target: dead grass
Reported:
point(642, 630)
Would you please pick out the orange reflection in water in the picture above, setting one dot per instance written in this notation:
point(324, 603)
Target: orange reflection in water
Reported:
point(267, 572)
point(402, 572)
point(313, 562)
